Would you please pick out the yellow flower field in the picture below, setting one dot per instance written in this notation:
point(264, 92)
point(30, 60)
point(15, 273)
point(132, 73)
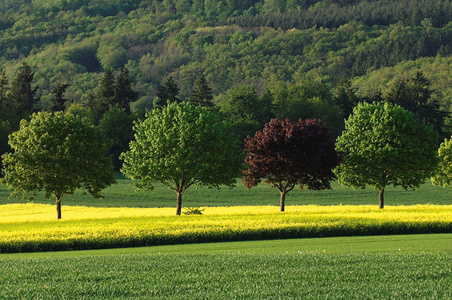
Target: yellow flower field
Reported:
point(33, 227)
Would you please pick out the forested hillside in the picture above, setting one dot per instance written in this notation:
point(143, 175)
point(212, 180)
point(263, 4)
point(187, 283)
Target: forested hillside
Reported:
point(257, 58)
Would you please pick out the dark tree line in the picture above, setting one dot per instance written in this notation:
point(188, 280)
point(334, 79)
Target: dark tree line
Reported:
point(383, 13)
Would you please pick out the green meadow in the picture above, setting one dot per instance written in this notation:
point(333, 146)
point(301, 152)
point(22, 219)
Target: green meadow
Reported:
point(364, 267)
point(123, 194)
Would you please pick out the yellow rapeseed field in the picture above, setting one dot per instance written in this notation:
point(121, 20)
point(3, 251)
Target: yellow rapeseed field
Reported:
point(33, 227)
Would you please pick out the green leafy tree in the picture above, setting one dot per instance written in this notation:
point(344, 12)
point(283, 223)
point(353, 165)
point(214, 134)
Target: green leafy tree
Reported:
point(182, 145)
point(57, 153)
point(245, 111)
point(443, 176)
point(382, 145)
point(201, 95)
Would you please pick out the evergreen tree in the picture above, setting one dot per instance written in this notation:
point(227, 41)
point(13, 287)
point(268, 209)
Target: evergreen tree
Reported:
point(58, 100)
point(345, 97)
point(201, 95)
point(415, 96)
point(3, 88)
point(124, 94)
point(168, 92)
point(105, 94)
point(22, 96)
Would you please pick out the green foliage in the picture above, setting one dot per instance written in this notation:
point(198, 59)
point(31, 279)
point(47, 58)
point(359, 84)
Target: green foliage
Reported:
point(58, 101)
point(443, 176)
point(415, 95)
point(118, 127)
point(57, 153)
point(201, 95)
point(253, 42)
point(193, 211)
point(385, 145)
point(22, 96)
point(167, 93)
point(228, 275)
point(180, 146)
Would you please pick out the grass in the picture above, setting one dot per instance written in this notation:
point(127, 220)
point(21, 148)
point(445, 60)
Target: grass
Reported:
point(329, 245)
point(233, 276)
point(124, 195)
point(366, 267)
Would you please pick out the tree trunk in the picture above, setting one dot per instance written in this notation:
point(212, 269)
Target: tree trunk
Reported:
point(381, 198)
point(283, 198)
point(179, 203)
point(58, 207)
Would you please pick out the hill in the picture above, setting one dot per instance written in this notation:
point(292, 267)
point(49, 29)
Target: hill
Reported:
point(264, 44)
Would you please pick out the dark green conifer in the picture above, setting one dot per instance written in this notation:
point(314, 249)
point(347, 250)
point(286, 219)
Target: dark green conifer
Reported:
point(58, 100)
point(22, 96)
point(124, 94)
point(201, 95)
point(168, 92)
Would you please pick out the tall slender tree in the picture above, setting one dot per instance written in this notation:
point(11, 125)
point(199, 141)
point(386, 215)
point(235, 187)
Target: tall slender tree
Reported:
point(124, 94)
point(345, 97)
point(22, 96)
point(3, 88)
point(105, 94)
point(168, 92)
point(201, 95)
point(58, 100)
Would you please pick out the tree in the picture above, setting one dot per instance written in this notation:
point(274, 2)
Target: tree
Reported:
point(384, 144)
point(57, 153)
point(124, 94)
point(245, 111)
point(168, 92)
point(3, 88)
point(415, 96)
point(201, 95)
point(105, 94)
point(22, 96)
point(443, 176)
point(345, 97)
point(288, 154)
point(182, 145)
point(117, 125)
point(58, 101)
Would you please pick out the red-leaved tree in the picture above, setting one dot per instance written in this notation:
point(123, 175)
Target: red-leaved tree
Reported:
point(290, 153)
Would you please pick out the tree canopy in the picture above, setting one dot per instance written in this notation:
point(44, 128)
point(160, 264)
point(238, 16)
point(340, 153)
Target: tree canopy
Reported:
point(57, 153)
point(288, 154)
point(182, 145)
point(443, 176)
point(382, 145)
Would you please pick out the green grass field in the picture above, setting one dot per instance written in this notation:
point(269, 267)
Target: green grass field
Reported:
point(365, 267)
point(231, 276)
point(124, 195)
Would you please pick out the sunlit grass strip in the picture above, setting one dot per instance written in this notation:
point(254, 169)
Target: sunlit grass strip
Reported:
point(32, 227)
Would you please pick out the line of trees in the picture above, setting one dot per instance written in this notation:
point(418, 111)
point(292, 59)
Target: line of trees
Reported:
point(182, 145)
